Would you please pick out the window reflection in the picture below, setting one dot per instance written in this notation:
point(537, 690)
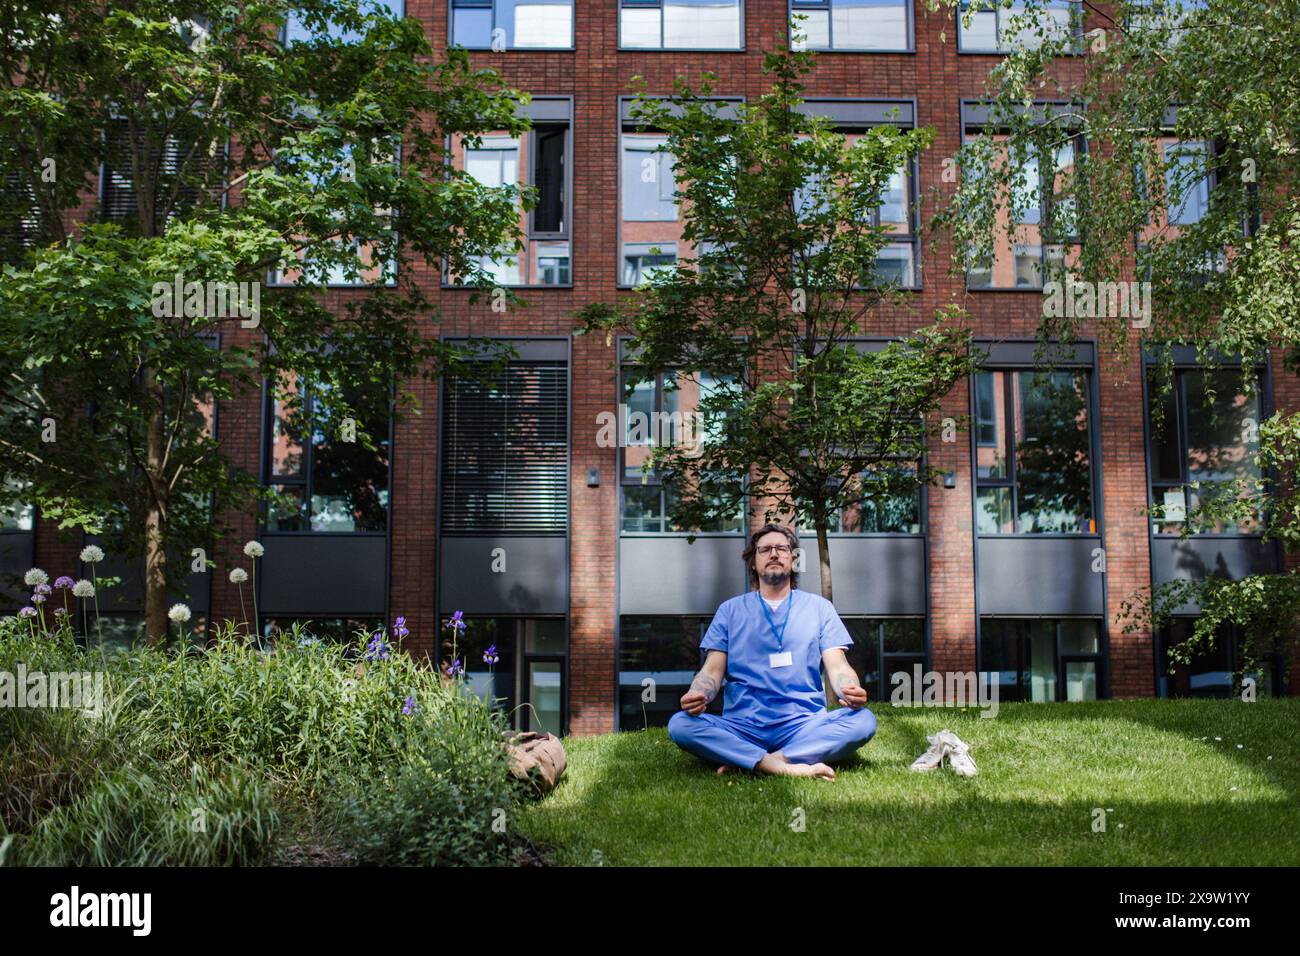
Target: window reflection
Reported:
point(1047, 486)
point(1042, 242)
point(1204, 436)
point(325, 476)
point(512, 24)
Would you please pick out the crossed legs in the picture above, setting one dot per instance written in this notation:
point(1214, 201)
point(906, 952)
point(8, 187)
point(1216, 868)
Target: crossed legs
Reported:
point(800, 748)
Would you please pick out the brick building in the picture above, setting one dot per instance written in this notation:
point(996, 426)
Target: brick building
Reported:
point(505, 504)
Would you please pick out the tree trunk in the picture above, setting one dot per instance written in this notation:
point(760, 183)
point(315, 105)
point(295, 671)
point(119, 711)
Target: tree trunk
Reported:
point(155, 553)
point(824, 555)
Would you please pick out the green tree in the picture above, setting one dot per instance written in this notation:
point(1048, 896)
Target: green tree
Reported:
point(779, 210)
point(1192, 127)
point(233, 152)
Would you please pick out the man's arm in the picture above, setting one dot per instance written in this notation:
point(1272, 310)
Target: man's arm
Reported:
point(842, 678)
point(706, 683)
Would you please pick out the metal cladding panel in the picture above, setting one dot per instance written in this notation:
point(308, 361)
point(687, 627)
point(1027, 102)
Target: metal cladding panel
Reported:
point(127, 595)
point(1194, 559)
point(666, 575)
point(17, 555)
point(1028, 575)
point(323, 574)
point(529, 575)
point(873, 576)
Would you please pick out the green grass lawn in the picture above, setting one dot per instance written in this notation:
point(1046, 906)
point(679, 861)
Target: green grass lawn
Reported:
point(1172, 798)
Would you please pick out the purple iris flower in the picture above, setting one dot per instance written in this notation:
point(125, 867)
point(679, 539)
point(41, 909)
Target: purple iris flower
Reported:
point(455, 669)
point(409, 707)
point(399, 628)
point(377, 650)
point(63, 581)
point(456, 622)
point(490, 655)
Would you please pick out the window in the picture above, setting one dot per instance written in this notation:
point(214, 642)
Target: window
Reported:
point(298, 31)
point(1187, 180)
point(876, 513)
point(650, 221)
point(341, 260)
point(896, 262)
point(1165, 19)
point(125, 628)
point(331, 630)
point(505, 451)
point(852, 24)
point(658, 657)
point(662, 411)
point(16, 512)
point(118, 201)
point(527, 680)
point(680, 25)
point(1045, 238)
point(512, 24)
point(537, 158)
point(20, 218)
point(995, 27)
point(883, 647)
point(1033, 472)
point(330, 474)
point(1042, 660)
point(1213, 673)
point(1204, 436)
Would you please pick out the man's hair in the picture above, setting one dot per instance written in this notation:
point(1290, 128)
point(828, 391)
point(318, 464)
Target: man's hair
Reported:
point(751, 551)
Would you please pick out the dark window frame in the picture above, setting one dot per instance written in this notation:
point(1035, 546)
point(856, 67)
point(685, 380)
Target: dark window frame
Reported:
point(1263, 407)
point(1100, 660)
point(1010, 385)
point(492, 5)
point(305, 481)
point(794, 7)
point(661, 48)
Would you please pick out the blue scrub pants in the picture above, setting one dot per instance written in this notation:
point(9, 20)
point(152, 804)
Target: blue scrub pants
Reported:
point(820, 737)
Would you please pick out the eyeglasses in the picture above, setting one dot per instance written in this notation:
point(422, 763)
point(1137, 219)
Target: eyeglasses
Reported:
point(778, 548)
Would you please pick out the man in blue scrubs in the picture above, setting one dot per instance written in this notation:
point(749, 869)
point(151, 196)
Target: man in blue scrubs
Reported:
point(771, 644)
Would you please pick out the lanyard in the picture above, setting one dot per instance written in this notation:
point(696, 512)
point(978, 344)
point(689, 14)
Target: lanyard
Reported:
point(771, 621)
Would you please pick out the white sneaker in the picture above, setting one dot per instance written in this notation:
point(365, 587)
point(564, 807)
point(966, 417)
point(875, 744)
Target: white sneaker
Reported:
point(932, 758)
point(958, 754)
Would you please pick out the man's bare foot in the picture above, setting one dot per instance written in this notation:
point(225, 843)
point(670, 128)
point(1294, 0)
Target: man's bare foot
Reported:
point(776, 764)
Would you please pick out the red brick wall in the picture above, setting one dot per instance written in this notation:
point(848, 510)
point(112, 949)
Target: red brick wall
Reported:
point(596, 75)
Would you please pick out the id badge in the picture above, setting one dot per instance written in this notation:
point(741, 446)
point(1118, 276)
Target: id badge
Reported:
point(784, 659)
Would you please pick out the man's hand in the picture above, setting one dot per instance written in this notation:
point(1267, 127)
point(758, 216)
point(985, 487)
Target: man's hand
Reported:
point(854, 696)
point(843, 679)
point(705, 686)
point(694, 702)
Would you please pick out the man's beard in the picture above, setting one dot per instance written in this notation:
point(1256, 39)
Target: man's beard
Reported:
point(775, 577)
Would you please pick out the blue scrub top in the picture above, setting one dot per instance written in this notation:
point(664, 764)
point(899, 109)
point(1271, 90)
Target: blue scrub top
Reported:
point(755, 691)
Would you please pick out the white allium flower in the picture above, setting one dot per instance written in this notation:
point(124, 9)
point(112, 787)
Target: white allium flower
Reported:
point(254, 549)
point(35, 576)
point(238, 576)
point(180, 613)
point(91, 554)
point(83, 589)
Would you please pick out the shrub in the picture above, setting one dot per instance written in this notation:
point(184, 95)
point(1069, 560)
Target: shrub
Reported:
point(135, 818)
point(446, 803)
